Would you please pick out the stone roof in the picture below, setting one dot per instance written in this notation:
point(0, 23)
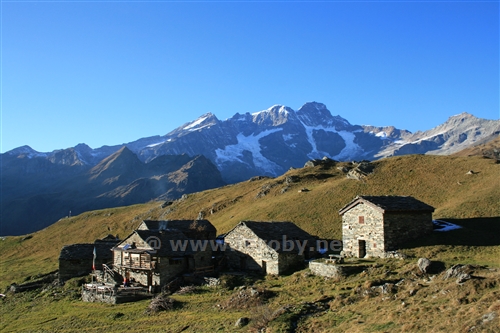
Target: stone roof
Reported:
point(86, 251)
point(182, 225)
point(388, 203)
point(163, 239)
point(275, 230)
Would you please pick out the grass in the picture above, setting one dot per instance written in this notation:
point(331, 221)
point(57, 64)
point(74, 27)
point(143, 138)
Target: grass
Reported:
point(471, 201)
point(302, 302)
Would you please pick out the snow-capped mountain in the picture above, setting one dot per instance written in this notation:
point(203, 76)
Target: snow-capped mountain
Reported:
point(268, 142)
point(38, 188)
point(457, 133)
point(271, 141)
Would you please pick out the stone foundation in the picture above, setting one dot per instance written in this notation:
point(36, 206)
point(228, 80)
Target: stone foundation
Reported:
point(113, 295)
point(327, 270)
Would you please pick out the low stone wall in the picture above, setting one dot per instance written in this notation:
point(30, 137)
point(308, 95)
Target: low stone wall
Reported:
point(327, 270)
point(91, 296)
point(114, 296)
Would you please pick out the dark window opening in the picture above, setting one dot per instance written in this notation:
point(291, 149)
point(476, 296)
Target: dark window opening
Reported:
point(361, 248)
point(175, 261)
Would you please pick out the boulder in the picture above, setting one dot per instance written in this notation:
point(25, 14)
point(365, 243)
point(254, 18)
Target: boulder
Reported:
point(243, 321)
point(460, 272)
point(489, 317)
point(424, 264)
point(343, 169)
point(291, 179)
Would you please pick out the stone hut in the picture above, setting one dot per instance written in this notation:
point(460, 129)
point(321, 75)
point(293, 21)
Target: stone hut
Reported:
point(77, 259)
point(193, 229)
point(155, 257)
point(373, 225)
point(268, 247)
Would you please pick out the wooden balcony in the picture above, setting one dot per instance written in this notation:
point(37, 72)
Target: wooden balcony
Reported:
point(143, 264)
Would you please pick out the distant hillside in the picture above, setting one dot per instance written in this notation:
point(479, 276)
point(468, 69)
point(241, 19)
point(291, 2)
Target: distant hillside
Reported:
point(489, 148)
point(441, 181)
point(39, 188)
point(37, 191)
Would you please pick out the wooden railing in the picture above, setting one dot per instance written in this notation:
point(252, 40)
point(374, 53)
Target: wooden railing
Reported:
point(108, 270)
point(140, 264)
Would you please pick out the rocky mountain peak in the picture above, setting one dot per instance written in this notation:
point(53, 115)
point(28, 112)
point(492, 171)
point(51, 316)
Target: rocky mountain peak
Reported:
point(204, 120)
point(83, 148)
point(462, 122)
point(24, 150)
point(122, 162)
point(274, 116)
point(316, 114)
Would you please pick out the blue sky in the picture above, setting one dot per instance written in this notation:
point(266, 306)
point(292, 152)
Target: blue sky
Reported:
point(107, 73)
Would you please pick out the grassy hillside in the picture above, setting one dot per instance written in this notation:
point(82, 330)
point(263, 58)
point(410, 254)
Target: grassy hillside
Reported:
point(489, 149)
point(300, 302)
point(441, 181)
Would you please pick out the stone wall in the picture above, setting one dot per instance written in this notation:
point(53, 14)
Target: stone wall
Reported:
point(250, 253)
point(289, 261)
point(246, 247)
point(381, 232)
point(92, 296)
point(203, 258)
point(77, 259)
point(371, 231)
point(112, 298)
point(169, 268)
point(326, 270)
point(78, 267)
point(72, 268)
point(403, 227)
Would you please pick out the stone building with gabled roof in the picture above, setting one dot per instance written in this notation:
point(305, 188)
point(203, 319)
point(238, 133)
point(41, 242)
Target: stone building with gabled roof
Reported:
point(268, 247)
point(373, 225)
point(78, 259)
point(155, 257)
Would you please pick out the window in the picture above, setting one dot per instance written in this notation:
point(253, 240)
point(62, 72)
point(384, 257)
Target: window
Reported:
point(175, 261)
point(374, 245)
point(361, 219)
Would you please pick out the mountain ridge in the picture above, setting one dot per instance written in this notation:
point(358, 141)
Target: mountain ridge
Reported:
point(264, 143)
point(270, 141)
point(37, 191)
point(309, 132)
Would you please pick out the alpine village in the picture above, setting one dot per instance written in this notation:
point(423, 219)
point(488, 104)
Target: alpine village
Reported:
point(401, 243)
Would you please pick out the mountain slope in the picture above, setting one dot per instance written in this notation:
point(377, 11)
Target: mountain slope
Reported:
point(37, 191)
point(441, 181)
point(384, 295)
point(271, 141)
point(457, 133)
point(268, 143)
point(487, 149)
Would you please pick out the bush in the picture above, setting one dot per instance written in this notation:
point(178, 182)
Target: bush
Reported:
point(160, 303)
point(231, 281)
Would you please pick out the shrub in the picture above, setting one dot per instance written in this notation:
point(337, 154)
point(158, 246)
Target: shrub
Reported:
point(160, 303)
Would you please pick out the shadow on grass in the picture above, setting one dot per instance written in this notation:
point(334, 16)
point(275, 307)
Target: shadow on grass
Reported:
point(483, 231)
